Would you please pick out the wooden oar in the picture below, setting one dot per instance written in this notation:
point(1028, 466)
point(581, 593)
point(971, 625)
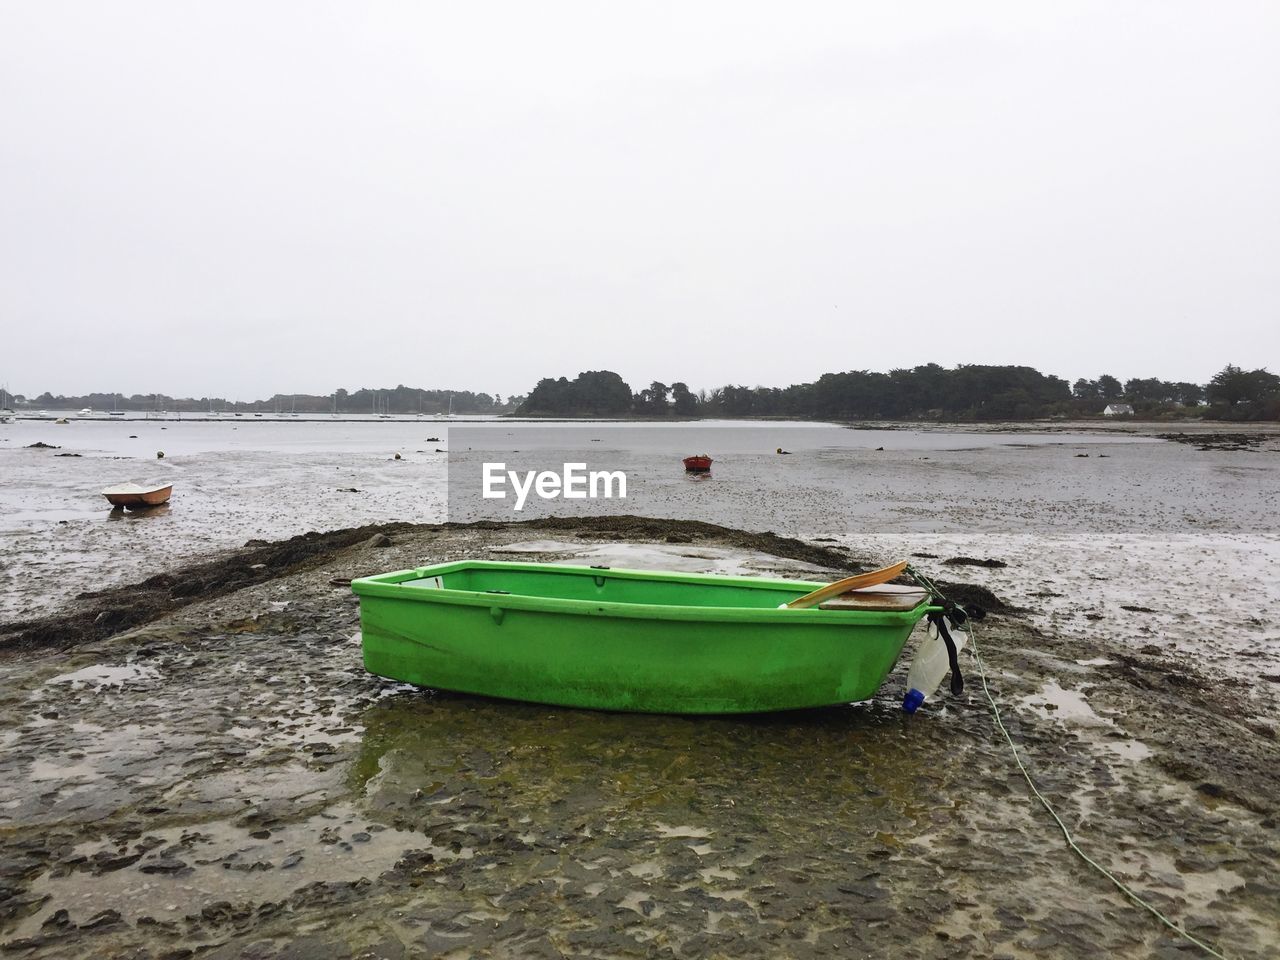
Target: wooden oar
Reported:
point(870, 579)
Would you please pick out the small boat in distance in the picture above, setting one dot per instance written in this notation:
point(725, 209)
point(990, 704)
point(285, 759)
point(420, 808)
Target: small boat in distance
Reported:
point(134, 496)
point(698, 464)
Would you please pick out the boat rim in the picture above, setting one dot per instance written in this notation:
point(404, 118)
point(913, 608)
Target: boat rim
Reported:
point(393, 585)
point(134, 489)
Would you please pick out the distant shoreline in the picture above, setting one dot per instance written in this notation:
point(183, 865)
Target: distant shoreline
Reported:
point(1101, 424)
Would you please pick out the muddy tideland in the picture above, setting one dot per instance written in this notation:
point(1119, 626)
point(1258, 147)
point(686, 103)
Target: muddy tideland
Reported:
point(207, 770)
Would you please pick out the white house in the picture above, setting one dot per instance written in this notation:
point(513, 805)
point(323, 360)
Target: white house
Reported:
point(1118, 410)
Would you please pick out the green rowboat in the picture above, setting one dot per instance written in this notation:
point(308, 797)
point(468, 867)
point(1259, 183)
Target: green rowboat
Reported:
point(629, 639)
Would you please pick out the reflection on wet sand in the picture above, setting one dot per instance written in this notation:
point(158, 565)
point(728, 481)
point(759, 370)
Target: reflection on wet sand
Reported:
point(622, 765)
point(147, 513)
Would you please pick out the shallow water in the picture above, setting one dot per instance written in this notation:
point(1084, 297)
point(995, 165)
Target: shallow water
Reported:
point(1191, 535)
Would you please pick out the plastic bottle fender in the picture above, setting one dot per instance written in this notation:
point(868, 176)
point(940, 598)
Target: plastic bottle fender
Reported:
point(929, 666)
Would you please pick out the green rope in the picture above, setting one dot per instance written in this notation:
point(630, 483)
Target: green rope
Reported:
point(1044, 802)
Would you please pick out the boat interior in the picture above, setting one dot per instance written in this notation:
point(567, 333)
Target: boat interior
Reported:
point(692, 590)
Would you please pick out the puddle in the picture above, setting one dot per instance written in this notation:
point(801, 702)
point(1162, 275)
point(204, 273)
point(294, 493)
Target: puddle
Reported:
point(1133, 750)
point(708, 874)
point(43, 771)
point(695, 832)
point(1201, 887)
point(1057, 703)
point(100, 676)
point(646, 870)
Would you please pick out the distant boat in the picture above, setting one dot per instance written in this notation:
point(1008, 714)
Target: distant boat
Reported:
point(86, 412)
point(115, 413)
point(137, 497)
point(698, 464)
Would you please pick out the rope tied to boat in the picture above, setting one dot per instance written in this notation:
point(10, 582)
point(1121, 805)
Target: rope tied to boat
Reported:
point(950, 610)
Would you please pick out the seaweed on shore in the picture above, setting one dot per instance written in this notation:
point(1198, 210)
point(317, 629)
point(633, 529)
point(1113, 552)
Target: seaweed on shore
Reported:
point(98, 614)
point(1228, 442)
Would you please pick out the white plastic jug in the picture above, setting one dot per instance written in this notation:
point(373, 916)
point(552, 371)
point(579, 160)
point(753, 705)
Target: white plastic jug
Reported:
point(929, 666)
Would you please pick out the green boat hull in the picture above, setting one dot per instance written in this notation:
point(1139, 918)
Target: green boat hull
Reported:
point(623, 639)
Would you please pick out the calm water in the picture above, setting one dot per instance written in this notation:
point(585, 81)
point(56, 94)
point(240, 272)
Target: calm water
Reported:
point(355, 435)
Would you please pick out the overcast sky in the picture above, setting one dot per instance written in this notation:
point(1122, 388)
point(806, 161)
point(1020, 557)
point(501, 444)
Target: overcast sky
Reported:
point(235, 198)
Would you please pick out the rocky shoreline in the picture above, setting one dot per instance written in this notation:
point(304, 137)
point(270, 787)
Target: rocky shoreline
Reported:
point(210, 772)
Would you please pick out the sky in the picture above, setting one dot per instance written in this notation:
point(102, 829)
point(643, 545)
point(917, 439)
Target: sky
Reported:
point(239, 198)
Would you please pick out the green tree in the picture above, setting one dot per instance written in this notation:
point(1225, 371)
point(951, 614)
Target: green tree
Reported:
point(593, 393)
point(1189, 394)
point(683, 401)
point(653, 400)
point(1084, 389)
point(1151, 390)
point(1233, 385)
point(1109, 387)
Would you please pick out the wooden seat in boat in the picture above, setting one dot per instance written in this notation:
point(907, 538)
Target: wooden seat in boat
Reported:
point(885, 597)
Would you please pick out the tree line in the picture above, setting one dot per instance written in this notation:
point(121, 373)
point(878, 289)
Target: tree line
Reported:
point(927, 392)
point(370, 400)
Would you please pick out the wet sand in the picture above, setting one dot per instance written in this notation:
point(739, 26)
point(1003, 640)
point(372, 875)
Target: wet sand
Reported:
point(225, 780)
